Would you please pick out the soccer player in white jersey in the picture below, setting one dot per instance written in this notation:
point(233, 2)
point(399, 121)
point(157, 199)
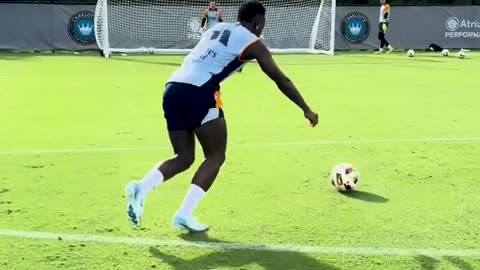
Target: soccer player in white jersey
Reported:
point(383, 25)
point(192, 107)
point(211, 16)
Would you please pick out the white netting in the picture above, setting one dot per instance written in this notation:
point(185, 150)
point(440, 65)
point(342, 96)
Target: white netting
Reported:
point(173, 26)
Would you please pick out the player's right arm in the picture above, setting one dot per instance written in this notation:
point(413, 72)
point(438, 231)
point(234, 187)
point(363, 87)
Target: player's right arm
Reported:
point(204, 18)
point(260, 52)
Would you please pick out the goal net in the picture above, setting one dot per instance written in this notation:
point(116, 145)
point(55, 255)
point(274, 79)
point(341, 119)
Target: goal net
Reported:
point(174, 26)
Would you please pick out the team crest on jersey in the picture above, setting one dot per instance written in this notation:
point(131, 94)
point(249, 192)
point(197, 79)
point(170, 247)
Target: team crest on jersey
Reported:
point(81, 27)
point(355, 27)
point(195, 29)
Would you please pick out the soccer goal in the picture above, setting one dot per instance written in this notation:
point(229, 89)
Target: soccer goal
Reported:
point(173, 26)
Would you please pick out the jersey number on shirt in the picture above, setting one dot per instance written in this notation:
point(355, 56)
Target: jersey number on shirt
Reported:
point(224, 36)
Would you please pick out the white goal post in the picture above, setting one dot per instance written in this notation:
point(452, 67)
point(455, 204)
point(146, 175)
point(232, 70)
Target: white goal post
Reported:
point(173, 26)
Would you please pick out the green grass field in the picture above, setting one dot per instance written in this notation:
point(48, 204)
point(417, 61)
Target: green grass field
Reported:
point(75, 129)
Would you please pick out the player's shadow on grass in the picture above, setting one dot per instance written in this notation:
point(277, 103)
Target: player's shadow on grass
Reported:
point(429, 263)
point(365, 196)
point(459, 263)
point(124, 58)
point(238, 256)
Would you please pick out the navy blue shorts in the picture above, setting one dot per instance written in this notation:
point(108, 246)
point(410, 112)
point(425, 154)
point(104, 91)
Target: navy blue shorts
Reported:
point(187, 107)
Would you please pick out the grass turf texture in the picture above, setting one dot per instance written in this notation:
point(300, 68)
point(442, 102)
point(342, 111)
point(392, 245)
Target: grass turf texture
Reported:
point(412, 194)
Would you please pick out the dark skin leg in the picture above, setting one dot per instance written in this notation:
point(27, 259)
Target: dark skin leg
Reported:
point(183, 144)
point(213, 138)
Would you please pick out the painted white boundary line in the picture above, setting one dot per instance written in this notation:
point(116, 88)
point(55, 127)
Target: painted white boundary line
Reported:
point(246, 145)
point(239, 246)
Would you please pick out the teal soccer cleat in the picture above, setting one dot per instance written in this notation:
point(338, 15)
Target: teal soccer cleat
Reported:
point(189, 223)
point(136, 203)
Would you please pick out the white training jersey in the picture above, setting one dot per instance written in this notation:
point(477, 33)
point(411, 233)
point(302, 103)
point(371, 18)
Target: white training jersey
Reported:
point(384, 9)
point(216, 56)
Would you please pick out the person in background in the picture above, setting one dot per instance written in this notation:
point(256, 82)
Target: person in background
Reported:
point(211, 16)
point(383, 25)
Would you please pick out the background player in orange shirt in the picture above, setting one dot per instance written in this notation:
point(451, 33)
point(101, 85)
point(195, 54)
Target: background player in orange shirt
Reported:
point(383, 25)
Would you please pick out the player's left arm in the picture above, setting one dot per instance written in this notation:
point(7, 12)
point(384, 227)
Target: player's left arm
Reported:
point(385, 16)
point(387, 12)
point(220, 15)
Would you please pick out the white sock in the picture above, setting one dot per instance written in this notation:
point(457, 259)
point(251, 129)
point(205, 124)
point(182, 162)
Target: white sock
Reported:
point(194, 196)
point(390, 47)
point(153, 179)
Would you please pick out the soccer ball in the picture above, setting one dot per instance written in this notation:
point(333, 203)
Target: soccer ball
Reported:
point(344, 177)
point(461, 54)
point(411, 53)
point(445, 52)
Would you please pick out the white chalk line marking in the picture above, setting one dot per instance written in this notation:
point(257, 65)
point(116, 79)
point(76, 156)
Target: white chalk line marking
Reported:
point(244, 145)
point(239, 246)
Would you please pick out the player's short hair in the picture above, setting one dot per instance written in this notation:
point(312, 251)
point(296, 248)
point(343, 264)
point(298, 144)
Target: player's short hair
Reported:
point(250, 9)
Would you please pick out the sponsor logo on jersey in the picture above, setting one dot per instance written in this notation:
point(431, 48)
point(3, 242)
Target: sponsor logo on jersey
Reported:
point(81, 27)
point(355, 27)
point(462, 28)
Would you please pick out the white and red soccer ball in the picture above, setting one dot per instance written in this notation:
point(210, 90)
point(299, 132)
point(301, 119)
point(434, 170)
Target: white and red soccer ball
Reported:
point(344, 177)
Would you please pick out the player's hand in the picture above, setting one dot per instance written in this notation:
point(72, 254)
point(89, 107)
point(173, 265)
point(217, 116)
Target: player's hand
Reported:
point(384, 27)
point(312, 117)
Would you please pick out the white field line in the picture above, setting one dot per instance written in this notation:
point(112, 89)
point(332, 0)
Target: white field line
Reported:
point(238, 246)
point(245, 145)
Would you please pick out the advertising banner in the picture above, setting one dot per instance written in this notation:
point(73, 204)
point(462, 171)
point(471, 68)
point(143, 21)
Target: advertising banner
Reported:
point(41, 27)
